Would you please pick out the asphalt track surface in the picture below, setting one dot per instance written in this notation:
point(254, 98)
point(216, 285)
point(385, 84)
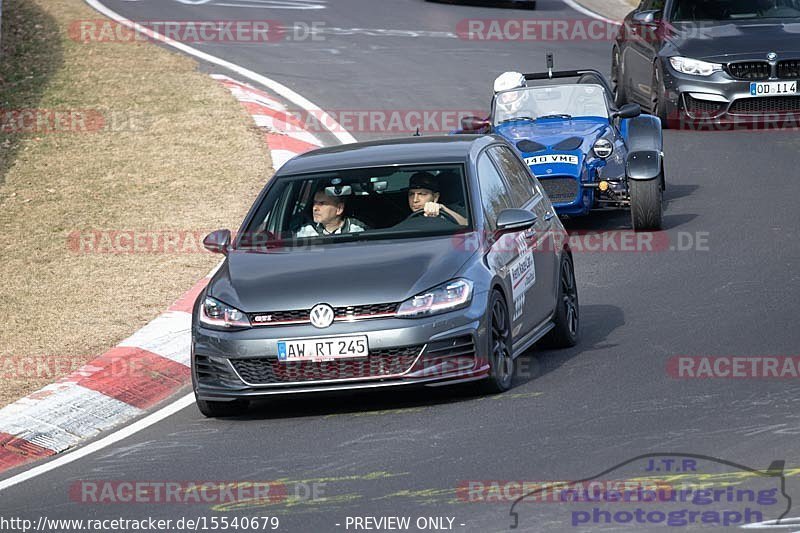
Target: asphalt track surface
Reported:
point(579, 411)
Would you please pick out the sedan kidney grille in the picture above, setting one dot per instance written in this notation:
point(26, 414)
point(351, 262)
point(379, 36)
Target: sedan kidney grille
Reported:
point(789, 70)
point(749, 70)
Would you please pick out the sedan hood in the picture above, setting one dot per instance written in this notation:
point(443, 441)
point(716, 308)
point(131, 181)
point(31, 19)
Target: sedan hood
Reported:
point(732, 41)
point(343, 274)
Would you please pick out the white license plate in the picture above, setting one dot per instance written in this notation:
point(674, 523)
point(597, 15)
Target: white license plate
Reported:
point(773, 88)
point(323, 349)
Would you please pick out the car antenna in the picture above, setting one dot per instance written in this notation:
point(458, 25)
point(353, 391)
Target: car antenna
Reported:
point(550, 63)
point(417, 134)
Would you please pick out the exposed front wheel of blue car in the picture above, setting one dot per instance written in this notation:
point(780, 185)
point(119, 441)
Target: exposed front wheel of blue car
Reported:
point(617, 80)
point(501, 359)
point(646, 204)
point(566, 318)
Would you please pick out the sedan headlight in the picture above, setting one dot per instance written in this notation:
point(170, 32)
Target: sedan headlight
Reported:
point(603, 148)
point(217, 314)
point(694, 66)
point(449, 296)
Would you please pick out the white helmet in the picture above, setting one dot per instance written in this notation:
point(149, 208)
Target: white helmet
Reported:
point(509, 80)
point(509, 103)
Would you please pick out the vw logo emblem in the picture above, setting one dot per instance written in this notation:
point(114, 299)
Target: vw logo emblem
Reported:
point(772, 56)
point(321, 315)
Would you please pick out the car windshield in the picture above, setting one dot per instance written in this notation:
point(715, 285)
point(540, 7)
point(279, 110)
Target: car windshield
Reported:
point(360, 204)
point(578, 100)
point(719, 10)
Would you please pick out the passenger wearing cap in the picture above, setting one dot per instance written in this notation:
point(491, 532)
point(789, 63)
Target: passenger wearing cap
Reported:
point(423, 195)
point(329, 219)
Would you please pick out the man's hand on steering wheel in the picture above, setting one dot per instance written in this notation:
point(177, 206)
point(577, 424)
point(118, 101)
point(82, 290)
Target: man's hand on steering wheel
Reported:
point(433, 210)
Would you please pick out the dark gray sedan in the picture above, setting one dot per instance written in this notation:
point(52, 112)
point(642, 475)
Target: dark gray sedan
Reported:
point(716, 61)
point(418, 261)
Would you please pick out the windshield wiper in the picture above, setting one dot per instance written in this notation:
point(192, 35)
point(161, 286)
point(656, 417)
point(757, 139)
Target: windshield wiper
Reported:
point(515, 118)
point(559, 115)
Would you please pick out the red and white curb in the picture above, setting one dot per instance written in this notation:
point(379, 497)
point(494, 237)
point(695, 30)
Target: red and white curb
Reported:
point(147, 367)
point(285, 135)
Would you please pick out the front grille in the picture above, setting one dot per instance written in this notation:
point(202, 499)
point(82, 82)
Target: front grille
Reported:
point(268, 370)
point(701, 108)
point(789, 70)
point(560, 190)
point(341, 313)
point(749, 70)
point(764, 105)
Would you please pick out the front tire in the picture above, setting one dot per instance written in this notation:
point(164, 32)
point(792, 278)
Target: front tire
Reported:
point(567, 313)
point(646, 204)
point(501, 359)
point(617, 80)
point(658, 106)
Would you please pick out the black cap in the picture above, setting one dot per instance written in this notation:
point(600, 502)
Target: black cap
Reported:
point(423, 180)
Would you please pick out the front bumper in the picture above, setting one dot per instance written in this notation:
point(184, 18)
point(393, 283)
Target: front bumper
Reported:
point(430, 351)
point(721, 99)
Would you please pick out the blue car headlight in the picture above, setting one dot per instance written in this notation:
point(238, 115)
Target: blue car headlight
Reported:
point(219, 315)
point(450, 296)
point(603, 148)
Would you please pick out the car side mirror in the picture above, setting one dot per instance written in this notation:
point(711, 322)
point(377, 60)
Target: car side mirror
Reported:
point(474, 123)
point(628, 111)
point(646, 18)
point(512, 220)
point(218, 242)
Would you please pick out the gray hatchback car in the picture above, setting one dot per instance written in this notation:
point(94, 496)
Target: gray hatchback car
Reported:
point(418, 261)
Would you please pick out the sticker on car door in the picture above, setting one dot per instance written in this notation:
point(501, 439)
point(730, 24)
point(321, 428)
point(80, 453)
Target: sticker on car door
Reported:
point(523, 275)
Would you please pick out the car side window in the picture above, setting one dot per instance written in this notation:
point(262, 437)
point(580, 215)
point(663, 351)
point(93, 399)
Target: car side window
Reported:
point(494, 193)
point(518, 177)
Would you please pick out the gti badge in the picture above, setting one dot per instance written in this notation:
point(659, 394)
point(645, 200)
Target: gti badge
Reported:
point(772, 56)
point(321, 315)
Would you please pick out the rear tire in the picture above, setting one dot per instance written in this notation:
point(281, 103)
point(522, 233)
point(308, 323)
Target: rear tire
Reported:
point(501, 360)
point(221, 409)
point(567, 313)
point(646, 203)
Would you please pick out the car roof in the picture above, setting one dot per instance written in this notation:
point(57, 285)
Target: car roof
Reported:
point(403, 151)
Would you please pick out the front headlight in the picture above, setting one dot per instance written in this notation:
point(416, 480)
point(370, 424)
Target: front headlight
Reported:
point(449, 296)
point(217, 314)
point(694, 66)
point(603, 148)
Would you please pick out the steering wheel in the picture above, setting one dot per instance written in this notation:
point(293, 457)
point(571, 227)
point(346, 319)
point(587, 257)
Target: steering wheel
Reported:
point(442, 214)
